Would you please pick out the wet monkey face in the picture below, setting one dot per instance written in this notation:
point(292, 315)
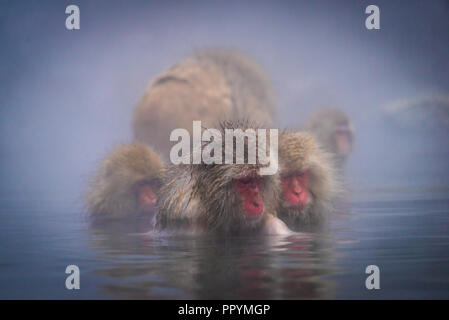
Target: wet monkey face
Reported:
point(249, 189)
point(342, 136)
point(126, 183)
point(334, 131)
point(222, 198)
point(146, 195)
point(295, 187)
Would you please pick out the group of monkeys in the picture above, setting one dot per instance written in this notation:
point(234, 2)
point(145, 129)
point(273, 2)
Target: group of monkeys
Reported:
point(227, 89)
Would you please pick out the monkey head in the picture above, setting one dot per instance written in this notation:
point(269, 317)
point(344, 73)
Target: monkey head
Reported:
point(333, 130)
point(306, 175)
point(235, 196)
point(126, 183)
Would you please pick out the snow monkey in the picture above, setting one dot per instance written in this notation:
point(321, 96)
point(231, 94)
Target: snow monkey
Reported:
point(334, 131)
point(210, 85)
point(221, 198)
point(126, 183)
point(307, 178)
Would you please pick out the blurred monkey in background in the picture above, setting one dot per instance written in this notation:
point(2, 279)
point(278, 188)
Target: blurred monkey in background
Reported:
point(210, 85)
point(334, 131)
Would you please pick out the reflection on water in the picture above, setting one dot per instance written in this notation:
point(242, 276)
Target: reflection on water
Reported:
point(407, 239)
point(208, 267)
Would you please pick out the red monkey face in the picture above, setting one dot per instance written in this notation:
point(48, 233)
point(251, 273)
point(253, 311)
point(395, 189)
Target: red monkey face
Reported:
point(250, 190)
point(146, 196)
point(343, 140)
point(294, 187)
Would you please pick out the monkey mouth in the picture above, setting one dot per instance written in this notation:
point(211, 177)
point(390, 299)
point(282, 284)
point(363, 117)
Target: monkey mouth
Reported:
point(344, 144)
point(254, 209)
point(296, 199)
point(148, 208)
point(297, 205)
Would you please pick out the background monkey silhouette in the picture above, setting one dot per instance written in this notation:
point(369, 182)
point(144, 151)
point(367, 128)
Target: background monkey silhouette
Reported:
point(308, 180)
point(220, 198)
point(210, 85)
point(126, 183)
point(334, 131)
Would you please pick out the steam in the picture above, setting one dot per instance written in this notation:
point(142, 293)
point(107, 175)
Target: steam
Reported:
point(68, 96)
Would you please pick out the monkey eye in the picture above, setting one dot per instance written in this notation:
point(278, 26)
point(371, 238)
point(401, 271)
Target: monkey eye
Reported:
point(344, 132)
point(245, 180)
point(142, 183)
point(297, 174)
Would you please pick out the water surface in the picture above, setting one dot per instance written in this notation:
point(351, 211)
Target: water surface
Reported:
point(405, 234)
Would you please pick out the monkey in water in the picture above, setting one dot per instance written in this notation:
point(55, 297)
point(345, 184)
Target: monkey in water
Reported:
point(210, 85)
point(334, 131)
point(221, 198)
point(126, 183)
point(308, 180)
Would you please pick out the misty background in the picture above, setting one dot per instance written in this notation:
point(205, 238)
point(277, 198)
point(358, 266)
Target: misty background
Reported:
point(67, 99)
point(68, 96)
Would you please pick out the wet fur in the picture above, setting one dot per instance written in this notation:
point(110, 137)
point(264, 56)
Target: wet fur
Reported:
point(111, 193)
point(298, 151)
point(204, 198)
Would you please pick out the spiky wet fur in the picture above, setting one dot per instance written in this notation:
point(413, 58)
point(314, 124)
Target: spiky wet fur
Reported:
point(203, 197)
point(298, 151)
point(111, 193)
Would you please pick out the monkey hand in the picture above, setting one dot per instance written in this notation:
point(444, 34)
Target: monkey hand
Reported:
point(274, 226)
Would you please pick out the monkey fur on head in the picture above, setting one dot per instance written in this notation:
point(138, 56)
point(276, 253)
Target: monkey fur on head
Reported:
point(210, 85)
point(308, 181)
point(334, 131)
point(126, 183)
point(220, 198)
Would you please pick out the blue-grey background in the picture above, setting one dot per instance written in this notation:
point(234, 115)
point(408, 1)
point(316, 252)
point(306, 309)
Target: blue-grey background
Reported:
point(67, 98)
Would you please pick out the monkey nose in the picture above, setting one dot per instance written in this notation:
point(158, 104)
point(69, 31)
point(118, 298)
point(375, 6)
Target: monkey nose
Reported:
point(255, 190)
point(297, 188)
point(254, 187)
